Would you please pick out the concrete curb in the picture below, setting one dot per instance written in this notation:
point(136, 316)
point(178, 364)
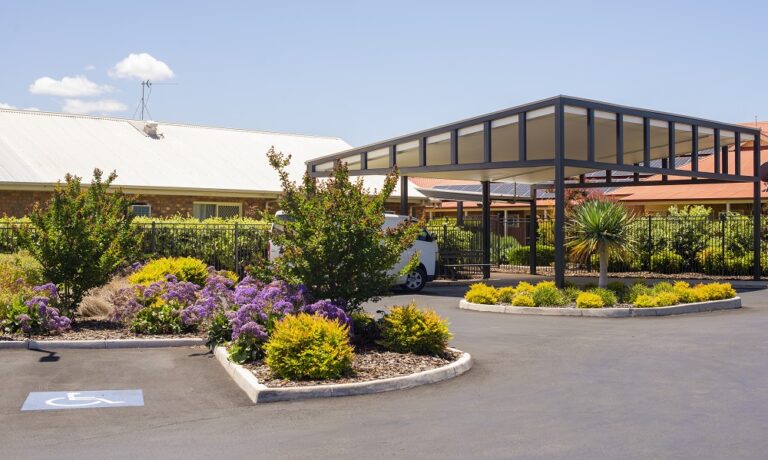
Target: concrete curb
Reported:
point(697, 307)
point(259, 393)
point(99, 344)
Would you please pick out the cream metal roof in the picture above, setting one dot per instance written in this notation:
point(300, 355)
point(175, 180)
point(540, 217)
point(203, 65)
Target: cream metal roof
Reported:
point(39, 148)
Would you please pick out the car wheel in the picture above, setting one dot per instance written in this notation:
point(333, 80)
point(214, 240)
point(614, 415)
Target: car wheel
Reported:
point(416, 280)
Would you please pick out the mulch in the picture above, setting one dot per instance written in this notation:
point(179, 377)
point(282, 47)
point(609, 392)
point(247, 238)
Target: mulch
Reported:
point(367, 365)
point(98, 330)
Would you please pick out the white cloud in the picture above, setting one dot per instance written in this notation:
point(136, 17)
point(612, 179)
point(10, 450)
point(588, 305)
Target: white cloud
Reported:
point(90, 67)
point(101, 106)
point(32, 109)
point(68, 87)
point(3, 105)
point(141, 66)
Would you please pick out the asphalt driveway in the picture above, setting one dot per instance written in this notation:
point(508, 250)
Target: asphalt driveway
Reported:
point(691, 386)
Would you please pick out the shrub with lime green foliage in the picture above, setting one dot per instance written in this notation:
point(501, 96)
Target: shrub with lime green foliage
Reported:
point(183, 268)
point(663, 286)
point(609, 298)
point(18, 273)
point(546, 294)
point(589, 300)
point(715, 291)
point(523, 300)
point(521, 255)
point(482, 293)
point(667, 299)
point(571, 293)
point(309, 347)
point(506, 294)
point(645, 301)
point(406, 329)
point(524, 287)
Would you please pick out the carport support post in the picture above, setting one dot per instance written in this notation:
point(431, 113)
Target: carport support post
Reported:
point(533, 231)
point(486, 229)
point(559, 195)
point(403, 195)
point(757, 210)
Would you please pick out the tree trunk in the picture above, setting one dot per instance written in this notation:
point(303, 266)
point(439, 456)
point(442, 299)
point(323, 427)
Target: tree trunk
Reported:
point(603, 256)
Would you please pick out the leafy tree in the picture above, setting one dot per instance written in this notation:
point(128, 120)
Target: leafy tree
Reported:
point(83, 235)
point(600, 226)
point(333, 242)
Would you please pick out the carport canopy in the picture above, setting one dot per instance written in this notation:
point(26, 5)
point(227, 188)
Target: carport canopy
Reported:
point(559, 143)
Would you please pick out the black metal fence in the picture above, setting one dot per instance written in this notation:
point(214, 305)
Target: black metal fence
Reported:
point(720, 246)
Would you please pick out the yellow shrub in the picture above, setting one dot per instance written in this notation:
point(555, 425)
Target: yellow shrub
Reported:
point(406, 329)
point(589, 300)
point(183, 268)
point(506, 294)
point(524, 286)
point(646, 301)
point(482, 293)
point(523, 300)
point(666, 299)
point(309, 347)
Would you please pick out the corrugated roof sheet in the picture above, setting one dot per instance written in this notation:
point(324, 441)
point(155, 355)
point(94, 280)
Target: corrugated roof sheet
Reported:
point(41, 147)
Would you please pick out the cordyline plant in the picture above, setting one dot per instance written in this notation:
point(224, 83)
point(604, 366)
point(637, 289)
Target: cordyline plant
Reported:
point(333, 242)
point(83, 235)
point(603, 227)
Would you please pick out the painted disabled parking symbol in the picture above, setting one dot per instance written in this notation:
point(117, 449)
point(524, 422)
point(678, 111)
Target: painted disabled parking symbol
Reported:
point(56, 400)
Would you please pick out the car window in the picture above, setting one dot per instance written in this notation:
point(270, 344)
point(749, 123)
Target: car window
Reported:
point(424, 235)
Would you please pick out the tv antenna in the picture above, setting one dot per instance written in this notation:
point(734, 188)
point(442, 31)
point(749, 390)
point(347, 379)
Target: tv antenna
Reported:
point(146, 93)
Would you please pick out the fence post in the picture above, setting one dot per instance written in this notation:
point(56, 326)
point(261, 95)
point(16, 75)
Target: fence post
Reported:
point(154, 238)
point(650, 243)
point(236, 250)
point(722, 239)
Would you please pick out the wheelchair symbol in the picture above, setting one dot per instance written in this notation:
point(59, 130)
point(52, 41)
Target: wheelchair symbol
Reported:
point(72, 400)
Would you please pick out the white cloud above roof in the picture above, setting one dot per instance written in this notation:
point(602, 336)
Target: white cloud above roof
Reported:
point(100, 106)
point(77, 86)
point(142, 66)
point(3, 105)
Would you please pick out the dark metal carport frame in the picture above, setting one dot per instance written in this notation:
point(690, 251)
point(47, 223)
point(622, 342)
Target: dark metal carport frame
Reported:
point(722, 171)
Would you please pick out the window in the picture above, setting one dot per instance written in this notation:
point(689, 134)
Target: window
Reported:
point(224, 210)
point(143, 210)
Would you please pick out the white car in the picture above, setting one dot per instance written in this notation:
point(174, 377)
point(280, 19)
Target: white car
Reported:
point(425, 245)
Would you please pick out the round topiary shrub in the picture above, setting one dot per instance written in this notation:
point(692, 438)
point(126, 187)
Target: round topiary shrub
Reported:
point(406, 329)
point(482, 293)
point(523, 300)
point(608, 297)
point(506, 294)
point(546, 294)
point(646, 301)
point(309, 347)
point(589, 300)
point(183, 268)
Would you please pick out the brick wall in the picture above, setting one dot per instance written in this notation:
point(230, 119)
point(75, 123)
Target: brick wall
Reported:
point(18, 203)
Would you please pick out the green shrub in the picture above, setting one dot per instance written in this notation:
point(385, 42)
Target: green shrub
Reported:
point(711, 261)
point(482, 293)
point(666, 262)
point(645, 301)
point(571, 293)
point(523, 300)
point(365, 330)
point(506, 294)
point(608, 297)
point(619, 289)
point(18, 273)
point(219, 330)
point(662, 286)
point(589, 300)
point(406, 329)
point(183, 268)
point(309, 347)
point(638, 289)
point(547, 294)
point(159, 318)
point(545, 255)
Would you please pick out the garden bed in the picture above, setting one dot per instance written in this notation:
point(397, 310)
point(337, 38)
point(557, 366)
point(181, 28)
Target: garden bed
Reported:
point(258, 392)
point(367, 365)
point(99, 330)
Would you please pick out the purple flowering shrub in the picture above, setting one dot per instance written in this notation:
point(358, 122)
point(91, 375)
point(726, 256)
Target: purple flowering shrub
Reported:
point(35, 314)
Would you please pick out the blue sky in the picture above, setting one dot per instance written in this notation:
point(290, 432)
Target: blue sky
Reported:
point(365, 71)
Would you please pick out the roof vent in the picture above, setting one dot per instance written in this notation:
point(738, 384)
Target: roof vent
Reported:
point(150, 129)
